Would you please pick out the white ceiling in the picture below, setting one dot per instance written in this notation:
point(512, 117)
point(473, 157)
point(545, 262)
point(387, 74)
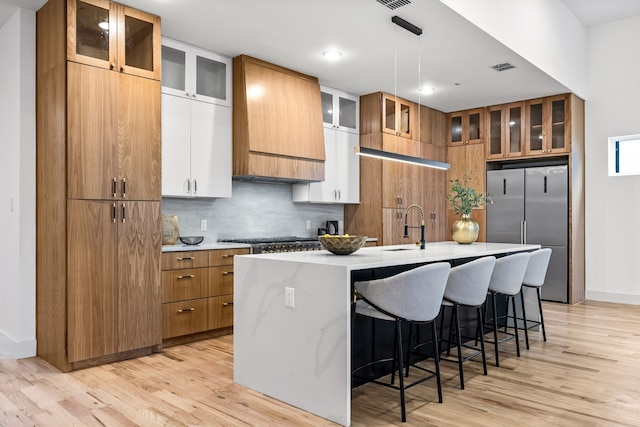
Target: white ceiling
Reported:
point(455, 56)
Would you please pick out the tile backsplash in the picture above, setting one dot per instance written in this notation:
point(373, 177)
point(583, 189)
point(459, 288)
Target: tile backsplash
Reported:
point(254, 210)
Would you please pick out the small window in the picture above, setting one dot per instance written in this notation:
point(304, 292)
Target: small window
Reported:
point(624, 155)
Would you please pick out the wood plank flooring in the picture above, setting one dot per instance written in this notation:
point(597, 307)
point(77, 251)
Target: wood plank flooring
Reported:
point(586, 374)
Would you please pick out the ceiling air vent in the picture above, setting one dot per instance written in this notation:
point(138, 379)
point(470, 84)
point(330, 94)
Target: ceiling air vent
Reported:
point(503, 67)
point(394, 4)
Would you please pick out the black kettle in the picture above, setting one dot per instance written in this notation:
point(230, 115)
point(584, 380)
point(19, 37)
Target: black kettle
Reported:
point(332, 227)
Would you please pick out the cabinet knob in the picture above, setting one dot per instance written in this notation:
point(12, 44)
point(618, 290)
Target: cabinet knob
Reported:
point(122, 68)
point(227, 304)
point(112, 66)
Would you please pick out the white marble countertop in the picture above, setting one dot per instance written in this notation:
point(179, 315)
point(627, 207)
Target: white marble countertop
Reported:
point(383, 256)
point(178, 247)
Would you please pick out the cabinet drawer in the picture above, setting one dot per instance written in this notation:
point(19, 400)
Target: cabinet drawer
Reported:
point(225, 256)
point(191, 259)
point(220, 311)
point(179, 285)
point(185, 317)
point(221, 280)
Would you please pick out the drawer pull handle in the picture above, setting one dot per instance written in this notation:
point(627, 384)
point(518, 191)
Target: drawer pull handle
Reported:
point(227, 272)
point(187, 258)
point(226, 304)
point(188, 276)
point(228, 255)
point(186, 310)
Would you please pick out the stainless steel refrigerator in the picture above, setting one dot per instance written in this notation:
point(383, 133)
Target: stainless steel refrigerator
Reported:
point(531, 205)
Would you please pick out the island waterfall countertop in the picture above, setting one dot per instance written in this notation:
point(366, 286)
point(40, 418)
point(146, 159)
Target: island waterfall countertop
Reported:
point(292, 318)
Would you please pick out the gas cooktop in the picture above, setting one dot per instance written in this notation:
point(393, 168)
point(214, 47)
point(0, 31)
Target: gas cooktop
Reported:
point(260, 240)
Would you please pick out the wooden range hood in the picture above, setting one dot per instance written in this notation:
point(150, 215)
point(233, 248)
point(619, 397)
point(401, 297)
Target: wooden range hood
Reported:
point(277, 123)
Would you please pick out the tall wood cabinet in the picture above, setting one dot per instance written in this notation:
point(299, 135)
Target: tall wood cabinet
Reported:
point(98, 183)
point(388, 188)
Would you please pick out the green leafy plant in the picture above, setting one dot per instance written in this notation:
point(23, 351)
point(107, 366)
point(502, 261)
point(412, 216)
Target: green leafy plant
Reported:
point(463, 197)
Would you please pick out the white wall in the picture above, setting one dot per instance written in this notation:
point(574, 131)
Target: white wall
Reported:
point(612, 203)
point(544, 32)
point(17, 188)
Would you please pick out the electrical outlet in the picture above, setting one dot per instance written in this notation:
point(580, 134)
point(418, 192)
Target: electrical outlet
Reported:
point(308, 225)
point(203, 225)
point(289, 297)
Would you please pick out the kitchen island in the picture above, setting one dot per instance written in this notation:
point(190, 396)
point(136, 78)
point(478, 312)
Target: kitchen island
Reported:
point(292, 317)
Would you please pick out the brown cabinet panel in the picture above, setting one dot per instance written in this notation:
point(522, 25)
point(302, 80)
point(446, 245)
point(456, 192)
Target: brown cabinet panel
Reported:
point(184, 317)
point(179, 285)
point(221, 280)
point(190, 259)
point(91, 132)
point(466, 127)
point(91, 279)
point(139, 144)
point(139, 297)
point(220, 311)
point(225, 256)
point(548, 126)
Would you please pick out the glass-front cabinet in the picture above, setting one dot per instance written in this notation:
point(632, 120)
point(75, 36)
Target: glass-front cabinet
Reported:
point(505, 131)
point(112, 36)
point(466, 127)
point(340, 110)
point(548, 127)
point(195, 73)
point(398, 116)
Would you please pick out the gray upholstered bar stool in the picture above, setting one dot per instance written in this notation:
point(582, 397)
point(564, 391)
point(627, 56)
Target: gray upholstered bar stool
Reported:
point(467, 286)
point(506, 280)
point(413, 296)
point(534, 278)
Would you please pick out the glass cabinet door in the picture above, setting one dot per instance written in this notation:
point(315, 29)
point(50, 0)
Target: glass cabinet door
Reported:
point(389, 115)
point(92, 33)
point(139, 47)
point(397, 116)
point(514, 134)
point(327, 108)
point(558, 119)
point(535, 134)
point(211, 78)
point(495, 145)
point(456, 129)
point(174, 65)
point(348, 113)
point(474, 127)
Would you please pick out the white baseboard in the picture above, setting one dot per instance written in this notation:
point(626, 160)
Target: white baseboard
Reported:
point(11, 349)
point(613, 297)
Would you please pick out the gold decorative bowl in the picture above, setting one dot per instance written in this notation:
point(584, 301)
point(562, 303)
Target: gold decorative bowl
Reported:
point(342, 245)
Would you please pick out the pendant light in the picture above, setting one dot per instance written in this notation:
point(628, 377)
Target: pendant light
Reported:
point(386, 155)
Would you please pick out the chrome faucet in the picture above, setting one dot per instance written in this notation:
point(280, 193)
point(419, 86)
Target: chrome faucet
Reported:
point(407, 226)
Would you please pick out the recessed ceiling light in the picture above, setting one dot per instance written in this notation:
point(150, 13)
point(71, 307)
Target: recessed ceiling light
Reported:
point(332, 54)
point(427, 90)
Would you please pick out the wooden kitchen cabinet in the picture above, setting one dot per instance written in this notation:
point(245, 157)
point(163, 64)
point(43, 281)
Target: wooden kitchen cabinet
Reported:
point(466, 127)
point(98, 236)
point(505, 131)
point(548, 126)
point(113, 135)
point(196, 147)
point(388, 188)
point(467, 160)
point(398, 116)
point(197, 293)
point(112, 277)
point(114, 37)
point(194, 73)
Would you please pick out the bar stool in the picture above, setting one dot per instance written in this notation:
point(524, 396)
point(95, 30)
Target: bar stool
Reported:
point(412, 296)
point(534, 278)
point(467, 286)
point(506, 280)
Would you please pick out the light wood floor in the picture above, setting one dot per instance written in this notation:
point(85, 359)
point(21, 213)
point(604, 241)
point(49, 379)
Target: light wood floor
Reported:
point(586, 374)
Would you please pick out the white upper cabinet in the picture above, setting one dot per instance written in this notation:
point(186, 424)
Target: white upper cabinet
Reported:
point(340, 110)
point(196, 148)
point(194, 73)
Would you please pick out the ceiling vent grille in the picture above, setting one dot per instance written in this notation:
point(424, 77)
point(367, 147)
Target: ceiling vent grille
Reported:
point(394, 4)
point(503, 67)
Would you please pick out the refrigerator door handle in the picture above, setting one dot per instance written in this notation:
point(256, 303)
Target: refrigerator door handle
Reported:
point(523, 232)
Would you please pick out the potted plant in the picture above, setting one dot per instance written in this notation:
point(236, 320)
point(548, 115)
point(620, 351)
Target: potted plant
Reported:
point(463, 198)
